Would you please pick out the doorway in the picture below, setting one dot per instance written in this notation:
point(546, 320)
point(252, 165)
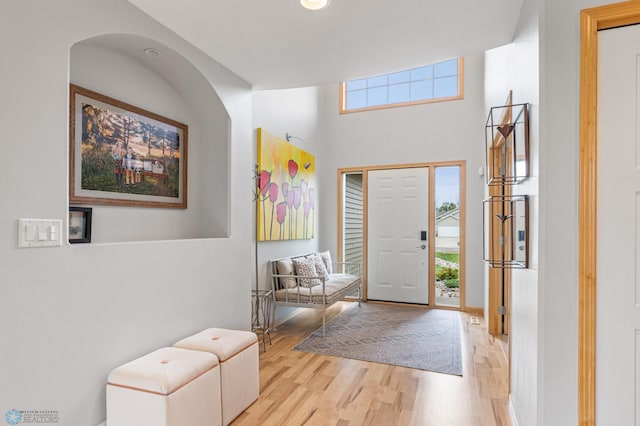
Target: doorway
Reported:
point(424, 262)
point(618, 233)
point(592, 21)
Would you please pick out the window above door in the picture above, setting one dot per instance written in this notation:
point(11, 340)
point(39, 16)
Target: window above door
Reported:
point(438, 82)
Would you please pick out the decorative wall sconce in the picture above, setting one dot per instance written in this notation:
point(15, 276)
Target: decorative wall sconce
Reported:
point(508, 218)
point(507, 144)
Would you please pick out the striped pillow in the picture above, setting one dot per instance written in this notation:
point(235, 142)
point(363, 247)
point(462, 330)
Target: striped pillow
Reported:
point(321, 269)
point(326, 258)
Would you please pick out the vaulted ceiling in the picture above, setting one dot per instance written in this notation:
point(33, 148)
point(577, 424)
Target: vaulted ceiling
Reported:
point(278, 44)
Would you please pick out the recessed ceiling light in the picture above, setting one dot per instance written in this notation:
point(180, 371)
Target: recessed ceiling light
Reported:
point(314, 4)
point(150, 51)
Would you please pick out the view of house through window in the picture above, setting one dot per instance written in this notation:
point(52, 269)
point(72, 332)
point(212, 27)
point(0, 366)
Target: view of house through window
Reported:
point(428, 83)
point(447, 235)
point(353, 218)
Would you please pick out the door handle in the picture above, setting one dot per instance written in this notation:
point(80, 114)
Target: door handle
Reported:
point(423, 247)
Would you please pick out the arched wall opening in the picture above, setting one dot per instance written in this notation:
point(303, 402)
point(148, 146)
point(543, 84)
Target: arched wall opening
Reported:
point(167, 84)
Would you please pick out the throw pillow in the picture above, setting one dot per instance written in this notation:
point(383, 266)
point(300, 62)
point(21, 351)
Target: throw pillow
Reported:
point(285, 267)
point(326, 258)
point(306, 268)
point(321, 269)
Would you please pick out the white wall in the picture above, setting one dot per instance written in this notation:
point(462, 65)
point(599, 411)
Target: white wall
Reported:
point(423, 133)
point(516, 67)
point(71, 314)
point(299, 113)
point(556, 315)
point(559, 160)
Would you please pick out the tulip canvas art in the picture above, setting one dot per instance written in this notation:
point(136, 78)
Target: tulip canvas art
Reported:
point(285, 190)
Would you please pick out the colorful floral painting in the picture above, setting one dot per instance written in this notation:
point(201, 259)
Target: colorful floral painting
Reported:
point(286, 190)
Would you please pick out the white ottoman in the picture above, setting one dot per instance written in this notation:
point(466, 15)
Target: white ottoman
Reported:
point(168, 387)
point(237, 352)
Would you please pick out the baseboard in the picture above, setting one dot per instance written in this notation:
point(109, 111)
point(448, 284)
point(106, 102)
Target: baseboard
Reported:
point(512, 413)
point(471, 310)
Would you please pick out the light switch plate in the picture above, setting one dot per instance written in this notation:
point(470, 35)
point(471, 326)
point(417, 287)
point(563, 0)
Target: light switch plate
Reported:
point(39, 233)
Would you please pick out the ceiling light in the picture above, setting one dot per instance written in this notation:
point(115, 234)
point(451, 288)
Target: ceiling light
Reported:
point(314, 4)
point(150, 51)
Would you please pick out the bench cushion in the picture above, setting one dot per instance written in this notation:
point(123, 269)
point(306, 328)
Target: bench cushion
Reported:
point(337, 287)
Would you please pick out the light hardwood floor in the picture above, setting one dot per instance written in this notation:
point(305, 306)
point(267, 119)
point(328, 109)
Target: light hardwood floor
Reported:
point(297, 388)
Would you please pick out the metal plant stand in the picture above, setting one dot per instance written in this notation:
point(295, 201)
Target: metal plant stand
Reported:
point(262, 315)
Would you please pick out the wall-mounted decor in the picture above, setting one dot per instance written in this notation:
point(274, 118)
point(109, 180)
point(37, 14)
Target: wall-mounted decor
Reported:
point(509, 220)
point(123, 155)
point(285, 190)
point(80, 224)
point(507, 144)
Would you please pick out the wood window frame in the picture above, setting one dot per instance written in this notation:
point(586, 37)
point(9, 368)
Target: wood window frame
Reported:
point(342, 96)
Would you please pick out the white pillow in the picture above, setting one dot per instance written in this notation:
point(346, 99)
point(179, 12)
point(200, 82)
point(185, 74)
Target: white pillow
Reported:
point(306, 268)
point(326, 258)
point(285, 267)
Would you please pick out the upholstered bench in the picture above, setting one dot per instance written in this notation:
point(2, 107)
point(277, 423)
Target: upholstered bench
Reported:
point(313, 281)
point(168, 387)
point(237, 352)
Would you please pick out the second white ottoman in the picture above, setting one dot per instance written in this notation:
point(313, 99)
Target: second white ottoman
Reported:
point(237, 352)
point(168, 387)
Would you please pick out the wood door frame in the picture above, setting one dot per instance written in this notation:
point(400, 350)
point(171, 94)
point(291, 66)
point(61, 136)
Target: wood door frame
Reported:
point(365, 200)
point(499, 278)
point(591, 21)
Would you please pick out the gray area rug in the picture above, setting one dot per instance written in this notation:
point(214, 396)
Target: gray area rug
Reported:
point(426, 339)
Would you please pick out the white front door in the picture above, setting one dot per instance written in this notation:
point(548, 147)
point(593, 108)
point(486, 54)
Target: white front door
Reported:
point(397, 216)
point(618, 229)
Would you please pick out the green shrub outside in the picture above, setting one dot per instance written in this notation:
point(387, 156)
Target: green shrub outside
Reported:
point(446, 273)
point(449, 276)
point(452, 283)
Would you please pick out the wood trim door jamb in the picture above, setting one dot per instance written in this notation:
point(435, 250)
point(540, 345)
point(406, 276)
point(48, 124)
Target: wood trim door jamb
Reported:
point(591, 21)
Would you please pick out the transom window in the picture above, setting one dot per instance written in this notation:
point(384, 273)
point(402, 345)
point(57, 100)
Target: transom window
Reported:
point(429, 83)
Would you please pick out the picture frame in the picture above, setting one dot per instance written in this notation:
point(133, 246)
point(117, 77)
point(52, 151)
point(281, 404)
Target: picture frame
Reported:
point(80, 224)
point(122, 155)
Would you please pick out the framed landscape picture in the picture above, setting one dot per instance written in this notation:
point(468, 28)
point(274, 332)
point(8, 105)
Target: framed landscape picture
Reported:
point(122, 155)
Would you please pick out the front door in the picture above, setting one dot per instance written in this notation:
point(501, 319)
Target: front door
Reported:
point(397, 224)
point(618, 229)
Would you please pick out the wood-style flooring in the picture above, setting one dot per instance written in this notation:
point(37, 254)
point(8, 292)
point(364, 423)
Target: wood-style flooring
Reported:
point(298, 388)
